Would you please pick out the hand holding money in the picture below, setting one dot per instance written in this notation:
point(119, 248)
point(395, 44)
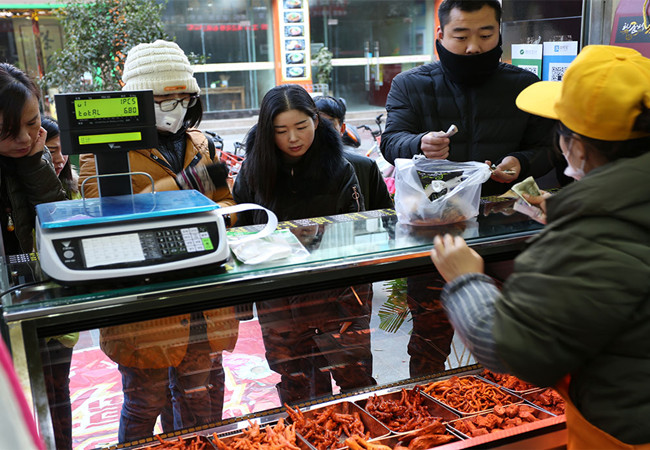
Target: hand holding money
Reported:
point(532, 199)
point(528, 186)
point(507, 171)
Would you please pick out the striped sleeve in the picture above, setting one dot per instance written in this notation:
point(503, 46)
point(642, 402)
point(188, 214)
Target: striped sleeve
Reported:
point(469, 301)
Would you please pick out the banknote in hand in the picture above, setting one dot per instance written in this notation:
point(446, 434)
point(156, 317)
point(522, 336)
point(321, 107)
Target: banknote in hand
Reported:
point(528, 186)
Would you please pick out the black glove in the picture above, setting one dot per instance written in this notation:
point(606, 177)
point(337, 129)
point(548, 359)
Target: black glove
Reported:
point(203, 178)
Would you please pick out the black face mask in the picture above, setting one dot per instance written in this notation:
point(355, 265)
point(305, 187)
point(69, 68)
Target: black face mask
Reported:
point(469, 69)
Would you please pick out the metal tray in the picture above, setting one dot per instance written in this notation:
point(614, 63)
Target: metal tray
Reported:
point(509, 398)
point(373, 427)
point(229, 437)
point(434, 408)
point(538, 413)
point(392, 441)
point(530, 398)
point(207, 442)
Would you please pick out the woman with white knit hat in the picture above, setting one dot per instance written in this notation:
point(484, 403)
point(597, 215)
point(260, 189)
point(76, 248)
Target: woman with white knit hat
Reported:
point(171, 366)
point(183, 158)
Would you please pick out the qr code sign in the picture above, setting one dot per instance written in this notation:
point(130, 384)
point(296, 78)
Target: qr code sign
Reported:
point(557, 71)
point(531, 68)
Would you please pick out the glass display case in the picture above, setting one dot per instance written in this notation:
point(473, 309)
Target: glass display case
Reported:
point(326, 324)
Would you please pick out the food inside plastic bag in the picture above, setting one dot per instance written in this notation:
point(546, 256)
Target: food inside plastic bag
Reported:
point(437, 192)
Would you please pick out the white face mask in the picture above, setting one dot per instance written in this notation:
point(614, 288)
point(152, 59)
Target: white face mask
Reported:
point(170, 121)
point(572, 172)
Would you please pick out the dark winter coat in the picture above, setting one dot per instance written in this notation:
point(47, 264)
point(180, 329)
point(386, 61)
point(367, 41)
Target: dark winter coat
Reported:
point(26, 182)
point(373, 187)
point(302, 191)
point(579, 299)
point(490, 126)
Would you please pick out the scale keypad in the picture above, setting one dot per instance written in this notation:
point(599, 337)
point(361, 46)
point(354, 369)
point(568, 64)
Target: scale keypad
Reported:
point(144, 247)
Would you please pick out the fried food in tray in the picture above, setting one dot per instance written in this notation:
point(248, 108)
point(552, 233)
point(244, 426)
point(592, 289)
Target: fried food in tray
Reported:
point(277, 437)
point(469, 394)
point(328, 427)
point(181, 443)
point(510, 382)
point(432, 435)
point(548, 399)
point(406, 410)
point(501, 418)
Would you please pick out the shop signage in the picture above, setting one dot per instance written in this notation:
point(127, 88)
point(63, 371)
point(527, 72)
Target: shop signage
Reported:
point(632, 26)
point(557, 55)
point(292, 25)
point(528, 56)
point(630, 30)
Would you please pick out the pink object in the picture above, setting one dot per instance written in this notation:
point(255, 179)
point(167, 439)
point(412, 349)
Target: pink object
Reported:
point(390, 184)
point(17, 403)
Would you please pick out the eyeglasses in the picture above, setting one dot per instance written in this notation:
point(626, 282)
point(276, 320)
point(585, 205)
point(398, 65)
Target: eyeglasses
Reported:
point(170, 105)
point(562, 132)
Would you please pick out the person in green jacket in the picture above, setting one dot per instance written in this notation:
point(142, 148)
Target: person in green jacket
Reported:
point(575, 313)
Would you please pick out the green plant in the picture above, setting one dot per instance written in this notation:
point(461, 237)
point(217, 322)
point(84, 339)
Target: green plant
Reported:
point(323, 60)
point(395, 309)
point(97, 37)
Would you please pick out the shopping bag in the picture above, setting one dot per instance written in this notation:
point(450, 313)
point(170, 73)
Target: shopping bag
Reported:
point(437, 191)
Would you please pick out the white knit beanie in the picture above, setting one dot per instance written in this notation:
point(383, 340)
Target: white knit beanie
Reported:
point(161, 66)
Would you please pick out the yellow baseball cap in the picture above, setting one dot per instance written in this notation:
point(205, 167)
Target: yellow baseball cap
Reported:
point(600, 96)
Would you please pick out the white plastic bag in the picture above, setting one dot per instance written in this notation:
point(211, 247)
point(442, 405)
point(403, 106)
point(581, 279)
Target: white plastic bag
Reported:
point(437, 191)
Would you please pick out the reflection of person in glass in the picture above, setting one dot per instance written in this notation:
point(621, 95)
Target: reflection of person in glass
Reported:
point(295, 167)
point(575, 313)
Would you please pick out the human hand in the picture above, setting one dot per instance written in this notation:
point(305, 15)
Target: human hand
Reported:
point(435, 145)
point(538, 201)
point(454, 258)
point(39, 143)
point(507, 171)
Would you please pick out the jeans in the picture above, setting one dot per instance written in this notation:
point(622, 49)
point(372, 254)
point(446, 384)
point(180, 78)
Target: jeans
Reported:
point(187, 395)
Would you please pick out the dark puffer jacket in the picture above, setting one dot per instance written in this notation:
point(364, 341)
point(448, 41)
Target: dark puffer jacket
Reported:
point(490, 126)
point(302, 191)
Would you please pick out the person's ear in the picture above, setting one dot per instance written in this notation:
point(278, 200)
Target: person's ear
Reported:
point(439, 33)
point(343, 128)
point(578, 148)
point(316, 121)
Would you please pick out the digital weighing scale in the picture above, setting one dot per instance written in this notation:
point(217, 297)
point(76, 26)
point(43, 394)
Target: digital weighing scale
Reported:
point(120, 234)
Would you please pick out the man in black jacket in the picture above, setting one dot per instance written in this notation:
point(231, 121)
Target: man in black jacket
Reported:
point(470, 88)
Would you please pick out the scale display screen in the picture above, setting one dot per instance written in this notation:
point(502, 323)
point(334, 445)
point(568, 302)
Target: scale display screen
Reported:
point(106, 122)
point(111, 137)
point(104, 108)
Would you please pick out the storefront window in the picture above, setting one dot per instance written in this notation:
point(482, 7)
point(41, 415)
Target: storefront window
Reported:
point(230, 39)
point(540, 21)
point(371, 42)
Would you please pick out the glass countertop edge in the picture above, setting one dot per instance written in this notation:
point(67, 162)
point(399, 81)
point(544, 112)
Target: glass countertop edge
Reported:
point(257, 273)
